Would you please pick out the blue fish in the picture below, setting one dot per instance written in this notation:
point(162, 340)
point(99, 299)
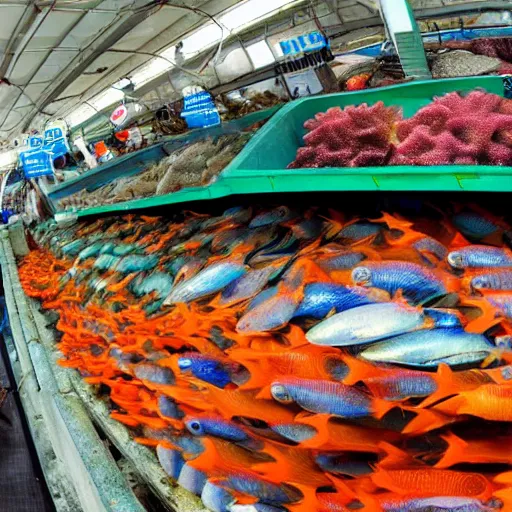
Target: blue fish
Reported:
point(323, 397)
point(308, 229)
point(503, 302)
point(262, 297)
point(438, 504)
point(106, 262)
point(473, 225)
point(223, 429)
point(217, 498)
point(238, 214)
point(275, 216)
point(341, 259)
point(257, 507)
point(192, 479)
point(211, 370)
point(321, 298)
point(155, 374)
point(432, 246)
point(190, 445)
point(137, 263)
point(443, 318)
point(247, 285)
point(268, 492)
point(417, 284)
point(171, 460)
point(169, 408)
point(429, 348)
point(73, 248)
point(341, 464)
point(209, 280)
point(159, 282)
point(480, 256)
point(296, 432)
point(90, 251)
point(498, 280)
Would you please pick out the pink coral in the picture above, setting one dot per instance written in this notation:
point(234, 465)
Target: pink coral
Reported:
point(455, 129)
point(353, 137)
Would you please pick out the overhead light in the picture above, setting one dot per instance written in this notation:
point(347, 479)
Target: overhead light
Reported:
point(260, 53)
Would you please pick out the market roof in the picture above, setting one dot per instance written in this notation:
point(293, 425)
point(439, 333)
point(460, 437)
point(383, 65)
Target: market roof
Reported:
point(56, 55)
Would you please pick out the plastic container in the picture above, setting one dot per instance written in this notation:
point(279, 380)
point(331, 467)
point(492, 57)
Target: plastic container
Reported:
point(275, 145)
point(103, 154)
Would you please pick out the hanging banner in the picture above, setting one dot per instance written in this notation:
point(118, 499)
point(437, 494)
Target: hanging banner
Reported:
point(35, 142)
point(55, 142)
point(311, 42)
point(36, 163)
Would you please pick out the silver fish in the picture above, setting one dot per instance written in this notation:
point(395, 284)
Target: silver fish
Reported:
point(365, 324)
point(429, 348)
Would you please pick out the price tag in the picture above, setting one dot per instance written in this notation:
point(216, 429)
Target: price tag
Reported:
point(55, 143)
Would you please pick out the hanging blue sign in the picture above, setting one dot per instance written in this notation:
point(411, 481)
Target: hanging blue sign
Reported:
point(36, 163)
point(55, 143)
point(200, 111)
point(311, 42)
point(35, 142)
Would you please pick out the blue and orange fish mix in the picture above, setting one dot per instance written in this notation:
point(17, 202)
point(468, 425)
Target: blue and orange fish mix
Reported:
point(303, 360)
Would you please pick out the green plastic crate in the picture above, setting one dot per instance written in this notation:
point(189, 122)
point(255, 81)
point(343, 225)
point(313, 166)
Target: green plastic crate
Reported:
point(275, 146)
point(261, 167)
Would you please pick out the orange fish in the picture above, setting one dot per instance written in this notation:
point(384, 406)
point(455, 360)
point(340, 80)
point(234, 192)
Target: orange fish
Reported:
point(489, 401)
point(440, 482)
point(479, 451)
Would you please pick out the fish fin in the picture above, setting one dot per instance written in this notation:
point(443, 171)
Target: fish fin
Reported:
point(395, 458)
point(125, 419)
point(265, 393)
point(382, 407)
point(330, 313)
point(454, 453)
point(383, 479)
point(394, 222)
point(458, 241)
point(445, 386)
point(504, 478)
point(425, 421)
point(505, 496)
point(359, 370)
point(320, 423)
point(370, 253)
point(486, 320)
point(253, 363)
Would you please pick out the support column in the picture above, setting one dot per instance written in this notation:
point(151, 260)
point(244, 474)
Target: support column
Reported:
point(403, 30)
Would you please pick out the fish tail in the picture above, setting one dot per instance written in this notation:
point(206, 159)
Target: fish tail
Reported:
point(489, 317)
point(445, 384)
point(395, 222)
point(458, 241)
point(259, 378)
point(320, 423)
point(425, 421)
point(358, 370)
point(381, 407)
point(265, 393)
point(454, 453)
point(394, 457)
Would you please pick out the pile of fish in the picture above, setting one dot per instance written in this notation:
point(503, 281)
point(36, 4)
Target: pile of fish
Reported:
point(198, 164)
point(291, 359)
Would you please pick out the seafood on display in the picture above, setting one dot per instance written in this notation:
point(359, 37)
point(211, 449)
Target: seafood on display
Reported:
point(298, 359)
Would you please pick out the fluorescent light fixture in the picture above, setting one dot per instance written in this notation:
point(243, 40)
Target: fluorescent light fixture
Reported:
point(250, 11)
point(206, 36)
point(80, 115)
point(260, 54)
point(154, 68)
point(107, 98)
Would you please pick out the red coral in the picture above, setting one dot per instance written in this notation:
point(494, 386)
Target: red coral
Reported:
point(455, 129)
point(500, 47)
point(353, 137)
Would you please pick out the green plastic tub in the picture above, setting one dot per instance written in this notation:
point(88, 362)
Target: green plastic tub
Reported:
point(261, 167)
point(274, 147)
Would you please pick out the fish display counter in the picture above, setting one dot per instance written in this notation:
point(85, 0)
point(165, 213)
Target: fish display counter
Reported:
point(175, 163)
point(284, 357)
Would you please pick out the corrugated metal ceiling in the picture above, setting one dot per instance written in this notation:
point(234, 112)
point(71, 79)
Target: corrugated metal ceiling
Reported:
point(53, 53)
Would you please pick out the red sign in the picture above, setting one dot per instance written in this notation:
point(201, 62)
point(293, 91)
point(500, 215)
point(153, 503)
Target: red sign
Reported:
point(119, 115)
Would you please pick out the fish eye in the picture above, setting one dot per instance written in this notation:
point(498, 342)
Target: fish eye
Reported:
point(455, 260)
point(195, 425)
point(479, 282)
point(361, 275)
point(282, 211)
point(184, 363)
point(280, 393)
